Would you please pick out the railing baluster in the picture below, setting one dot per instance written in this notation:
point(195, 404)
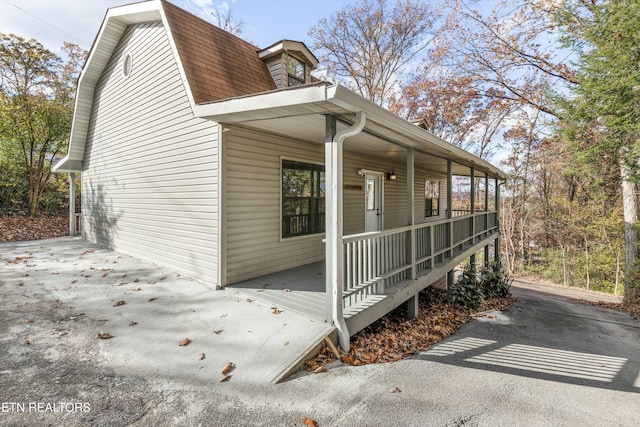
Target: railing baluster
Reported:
point(375, 260)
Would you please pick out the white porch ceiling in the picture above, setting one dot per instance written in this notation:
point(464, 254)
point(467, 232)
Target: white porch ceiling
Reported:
point(370, 142)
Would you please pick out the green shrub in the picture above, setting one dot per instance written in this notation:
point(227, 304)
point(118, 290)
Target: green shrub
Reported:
point(466, 291)
point(473, 289)
point(494, 281)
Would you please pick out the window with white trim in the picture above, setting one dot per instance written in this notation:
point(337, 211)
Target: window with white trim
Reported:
point(431, 198)
point(295, 71)
point(303, 198)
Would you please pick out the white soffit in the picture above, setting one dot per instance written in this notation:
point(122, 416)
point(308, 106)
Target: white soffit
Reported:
point(320, 99)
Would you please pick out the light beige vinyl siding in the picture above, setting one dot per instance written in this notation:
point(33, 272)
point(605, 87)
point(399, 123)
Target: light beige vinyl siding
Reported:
point(253, 209)
point(421, 175)
point(277, 69)
point(395, 192)
point(253, 201)
point(150, 178)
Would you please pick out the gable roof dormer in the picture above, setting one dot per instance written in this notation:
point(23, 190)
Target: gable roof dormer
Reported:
point(290, 63)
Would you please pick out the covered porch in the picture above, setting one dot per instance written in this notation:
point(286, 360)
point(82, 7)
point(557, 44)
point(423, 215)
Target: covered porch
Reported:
point(391, 222)
point(379, 271)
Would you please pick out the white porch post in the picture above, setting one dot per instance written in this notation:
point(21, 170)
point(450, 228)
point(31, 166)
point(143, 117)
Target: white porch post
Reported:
point(72, 204)
point(473, 190)
point(449, 191)
point(330, 211)
point(473, 211)
point(411, 209)
point(486, 217)
point(413, 302)
point(334, 251)
point(450, 203)
point(497, 243)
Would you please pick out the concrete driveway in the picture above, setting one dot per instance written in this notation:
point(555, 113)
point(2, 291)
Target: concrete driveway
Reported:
point(545, 361)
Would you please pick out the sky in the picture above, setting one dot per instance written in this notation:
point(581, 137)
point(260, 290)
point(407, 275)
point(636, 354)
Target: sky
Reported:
point(265, 22)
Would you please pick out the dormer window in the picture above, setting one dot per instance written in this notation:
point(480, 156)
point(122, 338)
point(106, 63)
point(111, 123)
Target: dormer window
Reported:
point(295, 70)
point(289, 63)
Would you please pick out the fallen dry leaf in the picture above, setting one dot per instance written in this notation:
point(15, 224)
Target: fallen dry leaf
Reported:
point(276, 310)
point(225, 378)
point(394, 337)
point(152, 299)
point(202, 356)
point(310, 422)
point(121, 302)
point(104, 335)
point(228, 368)
point(184, 342)
point(319, 369)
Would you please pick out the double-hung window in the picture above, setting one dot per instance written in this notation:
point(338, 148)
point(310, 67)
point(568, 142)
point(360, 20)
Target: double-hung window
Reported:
point(431, 198)
point(303, 198)
point(295, 71)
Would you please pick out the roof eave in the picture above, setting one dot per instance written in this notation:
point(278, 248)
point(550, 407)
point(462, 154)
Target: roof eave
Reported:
point(68, 165)
point(327, 99)
point(113, 26)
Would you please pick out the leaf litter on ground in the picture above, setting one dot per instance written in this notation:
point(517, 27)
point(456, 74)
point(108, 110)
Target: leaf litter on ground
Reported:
point(394, 337)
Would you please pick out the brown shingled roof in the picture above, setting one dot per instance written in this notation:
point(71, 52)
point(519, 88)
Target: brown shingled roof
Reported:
point(217, 64)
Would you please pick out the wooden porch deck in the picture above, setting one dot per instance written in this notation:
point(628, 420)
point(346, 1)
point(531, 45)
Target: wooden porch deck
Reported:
point(303, 289)
point(300, 289)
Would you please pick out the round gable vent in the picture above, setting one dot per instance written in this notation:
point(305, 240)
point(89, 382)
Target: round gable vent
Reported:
point(127, 65)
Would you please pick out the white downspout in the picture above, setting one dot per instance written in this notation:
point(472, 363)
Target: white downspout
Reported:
point(335, 248)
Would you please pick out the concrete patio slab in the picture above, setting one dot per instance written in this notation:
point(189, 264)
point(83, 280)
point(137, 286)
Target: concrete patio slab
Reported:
point(149, 310)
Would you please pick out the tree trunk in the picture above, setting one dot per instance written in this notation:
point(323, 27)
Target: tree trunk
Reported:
point(564, 266)
point(615, 290)
point(586, 255)
point(630, 210)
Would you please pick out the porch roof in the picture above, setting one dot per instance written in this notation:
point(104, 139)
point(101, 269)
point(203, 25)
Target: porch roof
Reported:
point(299, 112)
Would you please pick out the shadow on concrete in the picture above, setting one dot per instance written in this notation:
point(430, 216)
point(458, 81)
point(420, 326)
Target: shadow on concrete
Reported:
point(548, 337)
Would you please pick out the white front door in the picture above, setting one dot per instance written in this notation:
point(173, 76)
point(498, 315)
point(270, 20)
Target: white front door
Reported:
point(373, 201)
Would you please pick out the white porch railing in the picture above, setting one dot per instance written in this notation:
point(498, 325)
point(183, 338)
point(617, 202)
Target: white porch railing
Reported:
point(376, 260)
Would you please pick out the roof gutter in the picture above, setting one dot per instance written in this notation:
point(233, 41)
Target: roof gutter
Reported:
point(345, 98)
